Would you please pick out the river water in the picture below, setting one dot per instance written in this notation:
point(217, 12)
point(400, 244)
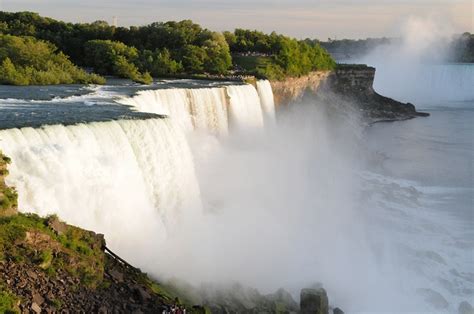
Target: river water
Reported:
point(420, 187)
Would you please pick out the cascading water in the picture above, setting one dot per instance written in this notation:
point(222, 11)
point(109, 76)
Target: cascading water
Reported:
point(118, 178)
point(171, 102)
point(210, 109)
point(245, 107)
point(265, 93)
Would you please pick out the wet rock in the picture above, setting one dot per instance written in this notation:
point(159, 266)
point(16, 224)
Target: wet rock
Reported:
point(465, 308)
point(314, 301)
point(337, 311)
point(283, 298)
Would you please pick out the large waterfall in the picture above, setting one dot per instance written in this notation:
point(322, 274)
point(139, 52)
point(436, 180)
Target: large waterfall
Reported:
point(113, 176)
point(105, 176)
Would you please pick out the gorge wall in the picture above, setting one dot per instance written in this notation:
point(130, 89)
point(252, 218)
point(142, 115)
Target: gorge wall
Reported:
point(350, 83)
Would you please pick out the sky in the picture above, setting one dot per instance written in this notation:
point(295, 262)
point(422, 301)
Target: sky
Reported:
point(320, 19)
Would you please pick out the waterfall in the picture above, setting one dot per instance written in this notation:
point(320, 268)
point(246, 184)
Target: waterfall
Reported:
point(115, 177)
point(171, 102)
point(210, 109)
point(245, 109)
point(265, 93)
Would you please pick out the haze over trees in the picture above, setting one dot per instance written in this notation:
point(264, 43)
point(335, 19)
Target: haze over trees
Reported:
point(160, 49)
point(457, 48)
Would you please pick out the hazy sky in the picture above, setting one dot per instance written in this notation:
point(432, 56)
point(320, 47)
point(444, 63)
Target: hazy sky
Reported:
point(300, 18)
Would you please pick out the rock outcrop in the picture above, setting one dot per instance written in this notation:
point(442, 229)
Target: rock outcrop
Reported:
point(352, 84)
point(314, 301)
point(47, 266)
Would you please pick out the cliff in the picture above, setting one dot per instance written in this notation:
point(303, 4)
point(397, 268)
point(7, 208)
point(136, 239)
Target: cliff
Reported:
point(351, 83)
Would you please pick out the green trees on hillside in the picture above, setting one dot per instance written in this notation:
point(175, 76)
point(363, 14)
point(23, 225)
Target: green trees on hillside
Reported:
point(26, 60)
point(116, 58)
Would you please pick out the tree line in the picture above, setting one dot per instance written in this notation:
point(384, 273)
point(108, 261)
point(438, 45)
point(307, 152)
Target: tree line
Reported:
point(140, 53)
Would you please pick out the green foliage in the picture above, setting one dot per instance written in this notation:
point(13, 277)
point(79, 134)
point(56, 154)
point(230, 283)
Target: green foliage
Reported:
point(7, 302)
point(276, 56)
point(8, 195)
point(161, 49)
point(116, 58)
point(28, 61)
point(159, 63)
point(77, 251)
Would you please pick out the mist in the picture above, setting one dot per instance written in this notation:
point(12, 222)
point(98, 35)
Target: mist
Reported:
point(414, 68)
point(281, 209)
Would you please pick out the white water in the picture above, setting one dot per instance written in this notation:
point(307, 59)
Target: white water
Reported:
point(245, 107)
point(266, 98)
point(210, 109)
point(119, 178)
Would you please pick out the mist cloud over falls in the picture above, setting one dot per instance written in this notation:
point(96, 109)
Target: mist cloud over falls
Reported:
point(413, 68)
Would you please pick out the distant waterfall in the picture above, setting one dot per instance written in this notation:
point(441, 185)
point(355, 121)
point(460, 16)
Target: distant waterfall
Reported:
point(106, 176)
point(210, 109)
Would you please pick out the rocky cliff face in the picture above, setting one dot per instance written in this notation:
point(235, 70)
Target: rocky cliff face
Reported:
point(351, 83)
point(293, 89)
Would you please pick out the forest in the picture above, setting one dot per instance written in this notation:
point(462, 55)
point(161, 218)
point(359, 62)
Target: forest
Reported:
point(41, 50)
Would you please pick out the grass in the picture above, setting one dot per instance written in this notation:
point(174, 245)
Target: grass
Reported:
point(8, 302)
point(76, 251)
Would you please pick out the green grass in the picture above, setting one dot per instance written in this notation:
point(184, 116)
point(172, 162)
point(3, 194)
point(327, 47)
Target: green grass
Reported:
point(76, 251)
point(8, 302)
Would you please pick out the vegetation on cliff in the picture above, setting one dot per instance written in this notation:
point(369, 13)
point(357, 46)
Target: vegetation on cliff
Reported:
point(158, 49)
point(8, 195)
point(47, 265)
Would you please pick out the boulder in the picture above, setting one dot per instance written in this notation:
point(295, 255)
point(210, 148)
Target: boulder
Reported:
point(337, 311)
point(314, 301)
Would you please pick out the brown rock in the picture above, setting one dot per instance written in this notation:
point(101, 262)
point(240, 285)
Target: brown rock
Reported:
point(37, 298)
point(116, 275)
point(58, 226)
point(36, 308)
